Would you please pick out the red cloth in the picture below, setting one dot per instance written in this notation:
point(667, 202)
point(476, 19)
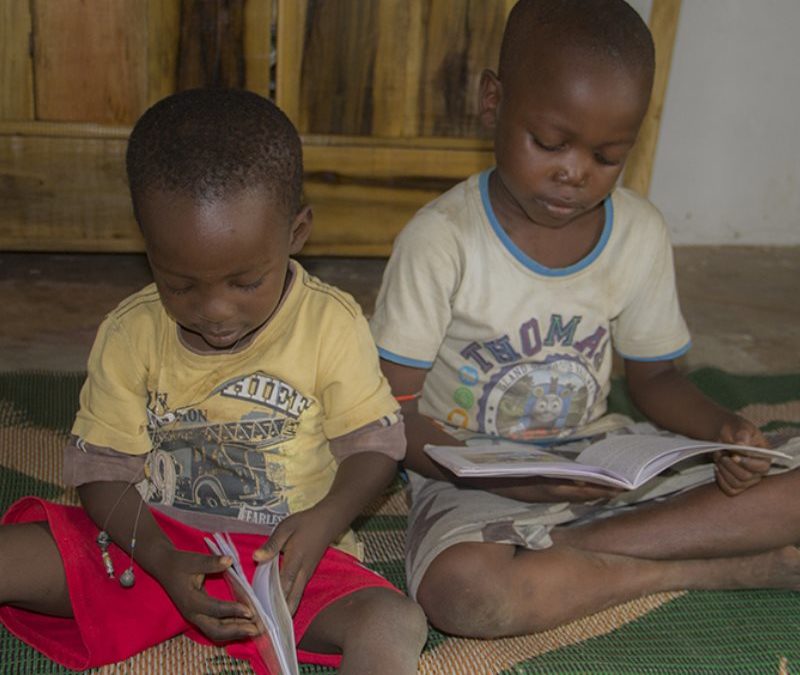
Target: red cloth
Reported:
point(112, 623)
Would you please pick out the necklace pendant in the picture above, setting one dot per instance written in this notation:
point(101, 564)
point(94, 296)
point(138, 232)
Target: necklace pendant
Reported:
point(127, 579)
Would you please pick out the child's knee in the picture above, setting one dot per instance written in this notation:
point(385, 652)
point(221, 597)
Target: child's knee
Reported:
point(469, 599)
point(386, 615)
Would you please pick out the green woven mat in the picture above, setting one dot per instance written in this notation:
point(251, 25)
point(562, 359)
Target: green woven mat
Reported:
point(697, 632)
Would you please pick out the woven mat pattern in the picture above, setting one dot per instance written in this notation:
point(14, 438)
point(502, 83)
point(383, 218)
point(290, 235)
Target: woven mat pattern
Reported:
point(698, 632)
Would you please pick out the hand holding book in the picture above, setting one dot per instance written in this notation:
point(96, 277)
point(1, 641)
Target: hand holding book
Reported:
point(275, 640)
point(623, 461)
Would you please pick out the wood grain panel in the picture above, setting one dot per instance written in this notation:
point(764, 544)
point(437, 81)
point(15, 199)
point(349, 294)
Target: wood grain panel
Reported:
point(398, 53)
point(16, 66)
point(258, 45)
point(289, 53)
point(163, 30)
point(462, 37)
point(387, 68)
point(337, 70)
point(663, 22)
point(393, 164)
point(211, 44)
point(353, 220)
point(87, 60)
point(45, 204)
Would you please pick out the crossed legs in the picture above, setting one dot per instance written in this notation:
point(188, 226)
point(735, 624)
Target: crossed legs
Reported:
point(697, 540)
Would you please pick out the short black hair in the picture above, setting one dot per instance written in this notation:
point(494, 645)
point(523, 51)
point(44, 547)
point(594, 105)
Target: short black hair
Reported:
point(212, 143)
point(605, 29)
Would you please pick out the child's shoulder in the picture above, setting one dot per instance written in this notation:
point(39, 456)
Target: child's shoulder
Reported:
point(632, 208)
point(142, 307)
point(450, 216)
point(323, 299)
point(144, 300)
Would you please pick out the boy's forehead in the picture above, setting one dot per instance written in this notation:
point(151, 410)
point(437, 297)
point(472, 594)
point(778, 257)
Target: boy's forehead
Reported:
point(156, 204)
point(572, 67)
point(180, 227)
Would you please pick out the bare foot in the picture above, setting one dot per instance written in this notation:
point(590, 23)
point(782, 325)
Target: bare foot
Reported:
point(781, 568)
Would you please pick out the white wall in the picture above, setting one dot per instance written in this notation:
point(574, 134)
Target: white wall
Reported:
point(727, 166)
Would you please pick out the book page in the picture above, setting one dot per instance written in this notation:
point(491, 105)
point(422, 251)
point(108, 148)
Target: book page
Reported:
point(624, 460)
point(639, 457)
point(275, 640)
point(267, 587)
point(515, 459)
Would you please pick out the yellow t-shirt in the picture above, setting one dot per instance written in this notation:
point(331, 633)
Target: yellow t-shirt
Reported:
point(242, 434)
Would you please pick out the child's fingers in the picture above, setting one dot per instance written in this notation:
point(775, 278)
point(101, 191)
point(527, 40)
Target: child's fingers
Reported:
point(732, 477)
point(223, 609)
point(729, 485)
point(293, 584)
point(277, 540)
point(734, 466)
point(266, 551)
point(223, 630)
point(757, 465)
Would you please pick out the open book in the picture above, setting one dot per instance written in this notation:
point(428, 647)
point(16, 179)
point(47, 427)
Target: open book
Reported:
point(275, 642)
point(624, 461)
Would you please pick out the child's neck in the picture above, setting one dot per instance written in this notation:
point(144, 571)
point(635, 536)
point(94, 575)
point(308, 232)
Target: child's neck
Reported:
point(553, 247)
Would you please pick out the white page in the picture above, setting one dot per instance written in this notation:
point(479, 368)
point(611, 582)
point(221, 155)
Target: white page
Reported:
point(515, 460)
point(275, 641)
point(267, 587)
point(640, 456)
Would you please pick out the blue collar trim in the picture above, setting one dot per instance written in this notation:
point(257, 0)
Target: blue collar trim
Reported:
point(526, 260)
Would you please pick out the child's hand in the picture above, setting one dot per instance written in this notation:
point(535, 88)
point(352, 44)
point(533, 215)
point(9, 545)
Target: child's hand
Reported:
point(738, 471)
point(302, 538)
point(219, 620)
point(553, 490)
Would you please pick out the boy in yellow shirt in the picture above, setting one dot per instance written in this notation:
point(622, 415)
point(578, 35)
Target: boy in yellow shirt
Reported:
point(236, 393)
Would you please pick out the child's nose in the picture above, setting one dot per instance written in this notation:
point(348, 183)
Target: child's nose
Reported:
point(573, 170)
point(216, 309)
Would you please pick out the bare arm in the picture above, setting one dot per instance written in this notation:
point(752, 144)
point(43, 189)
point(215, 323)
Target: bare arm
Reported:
point(304, 536)
point(421, 430)
point(671, 401)
point(113, 506)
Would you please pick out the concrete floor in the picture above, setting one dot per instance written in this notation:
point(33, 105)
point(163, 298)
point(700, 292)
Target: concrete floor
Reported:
point(742, 303)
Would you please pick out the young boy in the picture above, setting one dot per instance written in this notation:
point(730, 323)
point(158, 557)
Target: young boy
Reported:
point(237, 393)
point(497, 314)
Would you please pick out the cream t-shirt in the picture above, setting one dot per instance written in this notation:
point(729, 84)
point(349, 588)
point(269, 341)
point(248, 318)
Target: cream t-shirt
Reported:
point(516, 349)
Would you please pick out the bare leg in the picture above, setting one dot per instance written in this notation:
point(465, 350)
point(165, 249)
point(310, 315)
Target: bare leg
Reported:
point(702, 523)
point(701, 540)
point(377, 630)
point(31, 570)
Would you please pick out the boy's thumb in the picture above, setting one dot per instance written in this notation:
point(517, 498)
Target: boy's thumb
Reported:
point(266, 552)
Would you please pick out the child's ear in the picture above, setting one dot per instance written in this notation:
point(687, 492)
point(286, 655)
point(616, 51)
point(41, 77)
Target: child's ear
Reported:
point(301, 228)
point(491, 93)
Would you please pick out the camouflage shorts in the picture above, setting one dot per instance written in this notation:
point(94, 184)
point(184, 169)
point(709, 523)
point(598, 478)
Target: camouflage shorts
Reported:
point(443, 515)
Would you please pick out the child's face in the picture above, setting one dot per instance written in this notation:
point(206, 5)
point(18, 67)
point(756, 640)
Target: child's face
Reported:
point(562, 133)
point(220, 266)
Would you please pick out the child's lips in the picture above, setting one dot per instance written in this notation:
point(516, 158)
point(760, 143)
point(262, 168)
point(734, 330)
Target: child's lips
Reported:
point(558, 208)
point(220, 340)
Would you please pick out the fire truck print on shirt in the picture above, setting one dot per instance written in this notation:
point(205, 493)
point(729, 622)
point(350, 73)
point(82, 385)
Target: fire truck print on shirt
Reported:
point(228, 468)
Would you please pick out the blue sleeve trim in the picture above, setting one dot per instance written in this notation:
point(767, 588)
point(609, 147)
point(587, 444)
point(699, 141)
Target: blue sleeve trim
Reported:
point(403, 360)
point(665, 357)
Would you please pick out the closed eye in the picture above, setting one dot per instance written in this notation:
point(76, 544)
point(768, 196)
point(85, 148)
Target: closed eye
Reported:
point(606, 161)
point(177, 290)
point(251, 286)
point(546, 147)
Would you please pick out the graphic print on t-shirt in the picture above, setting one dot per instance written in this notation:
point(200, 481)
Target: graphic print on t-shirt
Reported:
point(231, 467)
point(532, 400)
